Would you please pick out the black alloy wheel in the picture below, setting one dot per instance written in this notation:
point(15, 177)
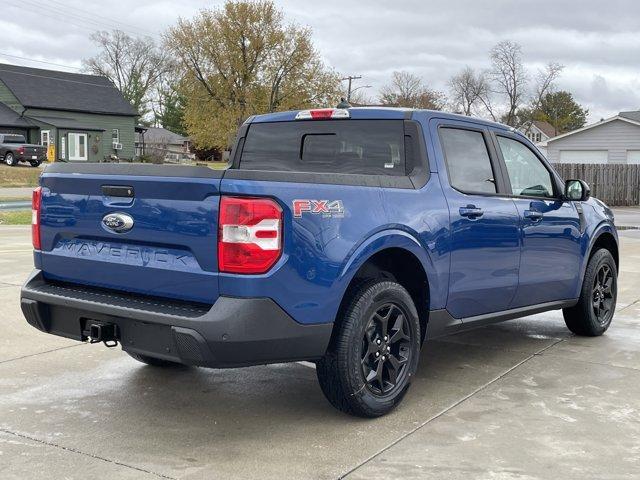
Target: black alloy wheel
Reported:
point(386, 349)
point(592, 314)
point(602, 294)
point(374, 351)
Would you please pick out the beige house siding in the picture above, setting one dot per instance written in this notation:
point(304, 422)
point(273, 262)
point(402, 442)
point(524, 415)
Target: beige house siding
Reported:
point(616, 137)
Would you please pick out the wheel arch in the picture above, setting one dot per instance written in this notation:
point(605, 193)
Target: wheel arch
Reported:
point(393, 255)
point(605, 237)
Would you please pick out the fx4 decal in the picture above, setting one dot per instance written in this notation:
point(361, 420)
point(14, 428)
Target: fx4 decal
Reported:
point(326, 208)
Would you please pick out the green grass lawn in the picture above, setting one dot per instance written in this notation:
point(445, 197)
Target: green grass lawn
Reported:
point(15, 217)
point(26, 176)
point(19, 176)
point(14, 199)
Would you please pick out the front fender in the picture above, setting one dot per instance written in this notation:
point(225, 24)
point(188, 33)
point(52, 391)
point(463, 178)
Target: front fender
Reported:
point(605, 226)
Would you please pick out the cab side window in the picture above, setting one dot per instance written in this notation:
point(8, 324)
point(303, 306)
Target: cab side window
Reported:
point(467, 160)
point(528, 175)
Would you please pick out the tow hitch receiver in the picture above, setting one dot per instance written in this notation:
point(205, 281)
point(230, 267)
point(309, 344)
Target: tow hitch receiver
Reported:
point(106, 333)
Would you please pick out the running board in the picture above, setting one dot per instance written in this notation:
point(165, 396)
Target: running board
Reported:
point(441, 322)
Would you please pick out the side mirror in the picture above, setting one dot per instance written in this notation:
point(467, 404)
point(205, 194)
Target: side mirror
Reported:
point(577, 190)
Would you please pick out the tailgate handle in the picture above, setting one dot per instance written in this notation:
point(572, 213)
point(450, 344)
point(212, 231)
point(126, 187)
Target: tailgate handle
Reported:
point(118, 191)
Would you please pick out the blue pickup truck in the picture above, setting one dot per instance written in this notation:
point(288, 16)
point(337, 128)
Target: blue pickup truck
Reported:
point(345, 237)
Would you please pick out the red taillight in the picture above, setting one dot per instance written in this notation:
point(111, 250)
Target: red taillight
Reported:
point(20, 150)
point(249, 234)
point(36, 202)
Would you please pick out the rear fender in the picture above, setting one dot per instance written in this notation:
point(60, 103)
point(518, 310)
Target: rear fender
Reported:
point(381, 241)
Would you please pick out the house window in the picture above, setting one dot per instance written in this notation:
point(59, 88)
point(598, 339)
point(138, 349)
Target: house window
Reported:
point(78, 146)
point(538, 137)
point(115, 135)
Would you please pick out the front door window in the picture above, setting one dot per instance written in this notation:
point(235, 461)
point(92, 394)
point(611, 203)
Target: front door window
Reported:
point(78, 146)
point(528, 176)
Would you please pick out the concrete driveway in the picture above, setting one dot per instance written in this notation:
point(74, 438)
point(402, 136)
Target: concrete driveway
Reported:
point(524, 399)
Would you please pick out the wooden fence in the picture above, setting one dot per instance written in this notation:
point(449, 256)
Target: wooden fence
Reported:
point(614, 184)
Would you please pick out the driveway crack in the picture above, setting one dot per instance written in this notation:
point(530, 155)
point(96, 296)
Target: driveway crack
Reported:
point(40, 353)
point(452, 406)
point(79, 452)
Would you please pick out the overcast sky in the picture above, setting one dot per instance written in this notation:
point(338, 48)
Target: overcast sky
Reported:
point(597, 41)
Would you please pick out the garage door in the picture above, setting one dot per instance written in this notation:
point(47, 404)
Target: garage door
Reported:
point(583, 156)
point(633, 156)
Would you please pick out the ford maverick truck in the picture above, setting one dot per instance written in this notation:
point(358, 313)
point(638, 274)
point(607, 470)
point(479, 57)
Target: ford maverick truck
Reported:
point(344, 237)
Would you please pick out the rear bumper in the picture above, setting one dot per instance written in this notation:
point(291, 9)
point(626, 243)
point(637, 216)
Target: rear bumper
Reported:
point(27, 158)
point(230, 333)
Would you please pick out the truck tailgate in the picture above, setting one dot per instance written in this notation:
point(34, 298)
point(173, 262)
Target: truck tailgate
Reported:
point(171, 248)
point(31, 151)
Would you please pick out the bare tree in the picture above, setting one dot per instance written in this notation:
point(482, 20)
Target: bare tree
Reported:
point(468, 89)
point(545, 82)
point(408, 90)
point(544, 85)
point(133, 64)
point(509, 77)
point(360, 97)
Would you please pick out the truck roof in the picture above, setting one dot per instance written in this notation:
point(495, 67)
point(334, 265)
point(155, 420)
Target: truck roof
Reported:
point(378, 113)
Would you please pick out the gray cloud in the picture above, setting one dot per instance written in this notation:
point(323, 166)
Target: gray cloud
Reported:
point(598, 42)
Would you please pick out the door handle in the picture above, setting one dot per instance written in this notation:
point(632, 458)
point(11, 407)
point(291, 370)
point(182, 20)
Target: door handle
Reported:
point(533, 215)
point(471, 211)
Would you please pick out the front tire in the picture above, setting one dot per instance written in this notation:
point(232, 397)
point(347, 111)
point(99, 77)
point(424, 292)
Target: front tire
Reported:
point(593, 313)
point(374, 352)
point(35, 164)
point(10, 160)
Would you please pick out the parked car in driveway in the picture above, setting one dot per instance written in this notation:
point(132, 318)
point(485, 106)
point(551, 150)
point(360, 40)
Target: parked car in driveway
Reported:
point(14, 149)
point(341, 236)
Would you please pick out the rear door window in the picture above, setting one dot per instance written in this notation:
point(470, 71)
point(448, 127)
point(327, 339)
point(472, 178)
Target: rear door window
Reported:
point(468, 161)
point(368, 147)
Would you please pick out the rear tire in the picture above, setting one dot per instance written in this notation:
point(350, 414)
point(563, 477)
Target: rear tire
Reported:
point(10, 160)
point(35, 164)
point(593, 313)
point(153, 361)
point(374, 352)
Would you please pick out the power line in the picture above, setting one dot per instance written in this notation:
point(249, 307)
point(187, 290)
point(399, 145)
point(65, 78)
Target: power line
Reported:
point(110, 20)
point(24, 3)
point(38, 61)
point(72, 18)
point(67, 14)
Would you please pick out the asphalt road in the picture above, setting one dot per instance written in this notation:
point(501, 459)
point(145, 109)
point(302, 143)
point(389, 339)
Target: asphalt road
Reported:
point(520, 400)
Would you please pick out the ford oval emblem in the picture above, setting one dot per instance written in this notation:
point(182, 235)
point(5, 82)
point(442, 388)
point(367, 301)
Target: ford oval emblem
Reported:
point(117, 222)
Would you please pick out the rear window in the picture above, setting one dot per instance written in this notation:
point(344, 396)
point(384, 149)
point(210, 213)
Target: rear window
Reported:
point(14, 139)
point(369, 147)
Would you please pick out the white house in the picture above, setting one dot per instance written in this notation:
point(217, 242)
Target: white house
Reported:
point(538, 132)
point(612, 140)
point(162, 142)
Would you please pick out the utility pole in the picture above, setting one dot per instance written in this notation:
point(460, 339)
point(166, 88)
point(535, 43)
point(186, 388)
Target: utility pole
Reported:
point(350, 78)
